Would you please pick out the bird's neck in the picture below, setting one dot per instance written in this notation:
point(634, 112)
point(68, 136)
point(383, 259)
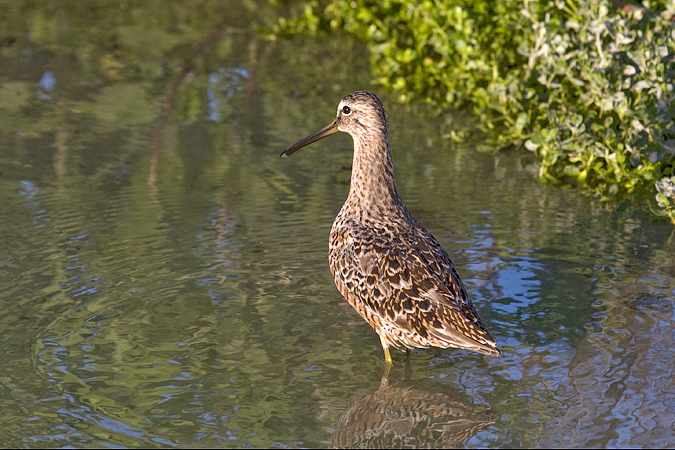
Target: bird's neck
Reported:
point(372, 192)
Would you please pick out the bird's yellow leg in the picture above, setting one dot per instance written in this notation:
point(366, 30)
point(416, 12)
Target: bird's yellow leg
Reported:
point(387, 356)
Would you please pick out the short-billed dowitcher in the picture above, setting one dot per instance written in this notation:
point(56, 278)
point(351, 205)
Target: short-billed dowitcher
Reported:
point(387, 265)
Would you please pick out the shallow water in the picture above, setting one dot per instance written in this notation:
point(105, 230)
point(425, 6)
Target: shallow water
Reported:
point(164, 277)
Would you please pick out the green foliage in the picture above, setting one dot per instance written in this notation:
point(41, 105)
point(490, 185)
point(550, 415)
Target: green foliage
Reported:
point(666, 197)
point(586, 87)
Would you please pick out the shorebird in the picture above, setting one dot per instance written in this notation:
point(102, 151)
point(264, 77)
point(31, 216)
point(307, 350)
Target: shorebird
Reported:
point(388, 266)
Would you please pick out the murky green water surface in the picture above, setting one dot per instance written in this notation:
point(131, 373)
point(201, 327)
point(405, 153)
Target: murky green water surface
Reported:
point(164, 277)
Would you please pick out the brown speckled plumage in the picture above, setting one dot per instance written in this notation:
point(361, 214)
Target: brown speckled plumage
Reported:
point(387, 265)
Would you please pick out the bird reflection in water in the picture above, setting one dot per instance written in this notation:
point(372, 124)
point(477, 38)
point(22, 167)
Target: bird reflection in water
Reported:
point(414, 414)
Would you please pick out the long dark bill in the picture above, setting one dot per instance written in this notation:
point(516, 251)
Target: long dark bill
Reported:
point(322, 133)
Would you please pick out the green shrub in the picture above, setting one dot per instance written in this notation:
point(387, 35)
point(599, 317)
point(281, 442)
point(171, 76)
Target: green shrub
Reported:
point(666, 197)
point(588, 88)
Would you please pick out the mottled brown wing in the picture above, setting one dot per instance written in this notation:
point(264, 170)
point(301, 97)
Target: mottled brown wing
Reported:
point(438, 262)
point(406, 287)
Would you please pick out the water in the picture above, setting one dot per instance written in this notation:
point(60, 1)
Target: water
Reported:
point(164, 277)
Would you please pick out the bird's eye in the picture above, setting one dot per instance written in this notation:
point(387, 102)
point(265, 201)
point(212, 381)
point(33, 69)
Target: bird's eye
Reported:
point(346, 110)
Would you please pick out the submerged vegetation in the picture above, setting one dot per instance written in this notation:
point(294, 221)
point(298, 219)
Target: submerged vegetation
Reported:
point(588, 87)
